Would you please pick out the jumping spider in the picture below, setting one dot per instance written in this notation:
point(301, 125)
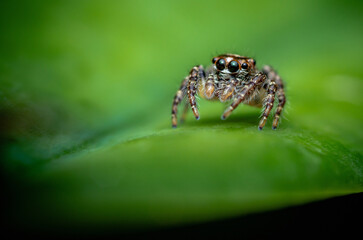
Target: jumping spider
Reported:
point(236, 78)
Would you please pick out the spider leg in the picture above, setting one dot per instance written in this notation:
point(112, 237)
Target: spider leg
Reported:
point(280, 94)
point(177, 99)
point(244, 93)
point(228, 91)
point(282, 100)
point(209, 87)
point(195, 75)
point(269, 103)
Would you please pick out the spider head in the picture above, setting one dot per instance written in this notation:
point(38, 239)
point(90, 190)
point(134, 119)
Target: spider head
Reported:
point(233, 64)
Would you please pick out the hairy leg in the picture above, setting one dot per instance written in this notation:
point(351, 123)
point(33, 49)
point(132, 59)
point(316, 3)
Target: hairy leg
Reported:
point(228, 90)
point(268, 104)
point(195, 75)
point(209, 87)
point(280, 93)
point(245, 93)
point(177, 99)
point(282, 100)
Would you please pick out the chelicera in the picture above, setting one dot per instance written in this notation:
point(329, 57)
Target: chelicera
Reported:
point(232, 78)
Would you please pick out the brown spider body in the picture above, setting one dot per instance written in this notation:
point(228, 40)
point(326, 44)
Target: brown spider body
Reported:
point(235, 78)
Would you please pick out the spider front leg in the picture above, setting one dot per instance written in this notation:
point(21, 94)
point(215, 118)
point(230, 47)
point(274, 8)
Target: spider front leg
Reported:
point(269, 103)
point(228, 91)
point(209, 87)
point(245, 93)
point(195, 75)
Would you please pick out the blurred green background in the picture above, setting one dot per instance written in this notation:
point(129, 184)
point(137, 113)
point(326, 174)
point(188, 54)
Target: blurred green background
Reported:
point(85, 100)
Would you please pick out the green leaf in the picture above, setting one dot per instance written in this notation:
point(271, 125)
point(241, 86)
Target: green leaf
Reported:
point(200, 173)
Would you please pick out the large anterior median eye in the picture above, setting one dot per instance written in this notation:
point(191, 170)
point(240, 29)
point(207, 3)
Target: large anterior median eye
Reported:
point(221, 64)
point(233, 66)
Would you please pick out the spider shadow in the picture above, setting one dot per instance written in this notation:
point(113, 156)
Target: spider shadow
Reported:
point(249, 119)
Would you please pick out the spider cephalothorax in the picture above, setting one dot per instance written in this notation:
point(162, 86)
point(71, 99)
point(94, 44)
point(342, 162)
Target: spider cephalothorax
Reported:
point(236, 78)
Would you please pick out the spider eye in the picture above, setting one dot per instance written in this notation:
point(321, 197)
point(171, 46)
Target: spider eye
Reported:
point(221, 64)
point(214, 60)
point(233, 66)
point(244, 65)
point(254, 62)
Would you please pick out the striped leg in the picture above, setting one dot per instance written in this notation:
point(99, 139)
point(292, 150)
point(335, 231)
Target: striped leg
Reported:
point(280, 93)
point(228, 91)
point(282, 99)
point(269, 103)
point(209, 87)
point(245, 92)
point(196, 73)
point(177, 99)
